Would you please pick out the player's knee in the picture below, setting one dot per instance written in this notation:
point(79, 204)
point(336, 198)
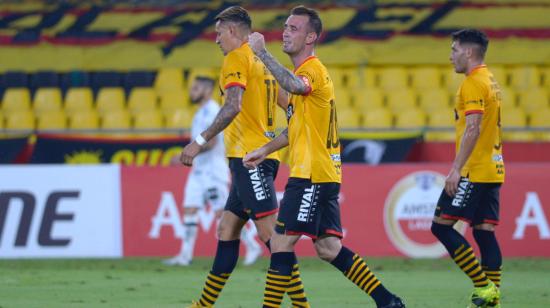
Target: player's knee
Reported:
point(328, 248)
point(264, 234)
point(227, 232)
point(190, 210)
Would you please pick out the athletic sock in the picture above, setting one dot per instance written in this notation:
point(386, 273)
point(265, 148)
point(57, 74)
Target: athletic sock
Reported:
point(491, 257)
point(462, 253)
point(278, 278)
point(190, 226)
point(357, 271)
point(225, 261)
point(295, 288)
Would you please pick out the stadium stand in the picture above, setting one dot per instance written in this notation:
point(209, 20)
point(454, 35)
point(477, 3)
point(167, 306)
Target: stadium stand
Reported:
point(83, 120)
point(116, 120)
point(142, 99)
point(78, 99)
point(377, 118)
point(110, 99)
point(51, 120)
point(20, 120)
point(16, 99)
point(47, 99)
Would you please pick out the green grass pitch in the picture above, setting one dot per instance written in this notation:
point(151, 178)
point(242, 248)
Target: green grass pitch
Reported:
point(147, 283)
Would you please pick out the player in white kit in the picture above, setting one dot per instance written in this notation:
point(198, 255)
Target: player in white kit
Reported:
point(208, 180)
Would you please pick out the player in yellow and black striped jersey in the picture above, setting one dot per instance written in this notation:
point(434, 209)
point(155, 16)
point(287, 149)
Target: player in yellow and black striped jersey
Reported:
point(247, 118)
point(472, 187)
point(310, 203)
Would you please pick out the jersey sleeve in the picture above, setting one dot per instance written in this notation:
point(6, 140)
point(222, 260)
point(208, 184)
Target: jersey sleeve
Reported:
point(234, 70)
point(308, 76)
point(473, 96)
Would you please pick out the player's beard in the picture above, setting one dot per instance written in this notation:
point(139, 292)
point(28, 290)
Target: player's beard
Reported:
point(197, 99)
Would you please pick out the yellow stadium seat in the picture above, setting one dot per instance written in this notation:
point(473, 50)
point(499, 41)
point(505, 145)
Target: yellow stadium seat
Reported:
point(377, 118)
point(369, 77)
point(410, 118)
point(541, 120)
point(116, 119)
point(442, 122)
point(545, 71)
point(142, 99)
point(20, 120)
point(348, 118)
point(47, 99)
point(425, 77)
point(433, 99)
point(179, 118)
point(401, 99)
point(16, 99)
point(51, 120)
point(524, 77)
point(344, 77)
point(168, 79)
point(1, 120)
point(84, 119)
point(533, 100)
point(78, 99)
point(393, 78)
point(451, 79)
point(150, 119)
point(343, 97)
point(110, 99)
point(368, 98)
point(500, 74)
point(175, 98)
point(509, 98)
point(513, 119)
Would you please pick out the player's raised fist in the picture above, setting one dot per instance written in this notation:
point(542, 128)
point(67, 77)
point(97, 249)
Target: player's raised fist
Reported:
point(256, 42)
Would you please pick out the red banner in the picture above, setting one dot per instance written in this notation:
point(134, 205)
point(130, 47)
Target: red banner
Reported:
point(386, 210)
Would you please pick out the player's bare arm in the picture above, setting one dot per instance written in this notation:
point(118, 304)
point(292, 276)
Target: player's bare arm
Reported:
point(282, 99)
point(227, 113)
point(469, 140)
point(229, 110)
point(286, 79)
point(256, 157)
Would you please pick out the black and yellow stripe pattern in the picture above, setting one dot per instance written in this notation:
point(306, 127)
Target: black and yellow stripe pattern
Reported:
point(296, 290)
point(275, 288)
point(360, 274)
point(212, 289)
point(465, 258)
point(494, 276)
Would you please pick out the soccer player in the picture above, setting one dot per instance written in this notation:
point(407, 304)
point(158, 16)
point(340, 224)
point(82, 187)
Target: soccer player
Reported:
point(248, 117)
point(208, 180)
point(472, 186)
point(310, 203)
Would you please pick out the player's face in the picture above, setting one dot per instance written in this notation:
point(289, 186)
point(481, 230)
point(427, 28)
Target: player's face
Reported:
point(197, 92)
point(223, 37)
point(295, 34)
point(459, 57)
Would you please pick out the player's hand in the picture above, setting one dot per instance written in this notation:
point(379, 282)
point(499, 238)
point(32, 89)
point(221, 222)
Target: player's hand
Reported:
point(189, 152)
point(451, 182)
point(256, 42)
point(254, 158)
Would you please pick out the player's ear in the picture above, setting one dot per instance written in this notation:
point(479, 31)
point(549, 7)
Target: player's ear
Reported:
point(311, 38)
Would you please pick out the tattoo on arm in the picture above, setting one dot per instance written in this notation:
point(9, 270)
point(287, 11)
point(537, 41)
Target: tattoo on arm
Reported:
point(288, 81)
point(227, 113)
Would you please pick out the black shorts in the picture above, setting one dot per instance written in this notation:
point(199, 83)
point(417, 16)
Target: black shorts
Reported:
point(252, 193)
point(475, 203)
point(310, 209)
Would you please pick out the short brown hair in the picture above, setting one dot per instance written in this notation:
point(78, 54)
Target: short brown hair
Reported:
point(315, 22)
point(235, 14)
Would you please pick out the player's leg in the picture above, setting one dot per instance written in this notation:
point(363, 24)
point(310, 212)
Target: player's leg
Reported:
point(485, 220)
point(283, 259)
point(463, 207)
point(253, 249)
point(192, 203)
point(227, 251)
point(330, 249)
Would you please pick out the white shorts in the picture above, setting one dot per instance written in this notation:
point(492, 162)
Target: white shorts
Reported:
point(202, 188)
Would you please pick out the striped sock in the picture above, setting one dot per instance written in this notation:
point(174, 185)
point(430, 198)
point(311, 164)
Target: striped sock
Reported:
point(227, 254)
point(278, 278)
point(465, 258)
point(212, 287)
point(494, 275)
point(296, 290)
point(357, 271)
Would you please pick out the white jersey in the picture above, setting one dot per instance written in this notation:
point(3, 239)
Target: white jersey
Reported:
point(211, 162)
